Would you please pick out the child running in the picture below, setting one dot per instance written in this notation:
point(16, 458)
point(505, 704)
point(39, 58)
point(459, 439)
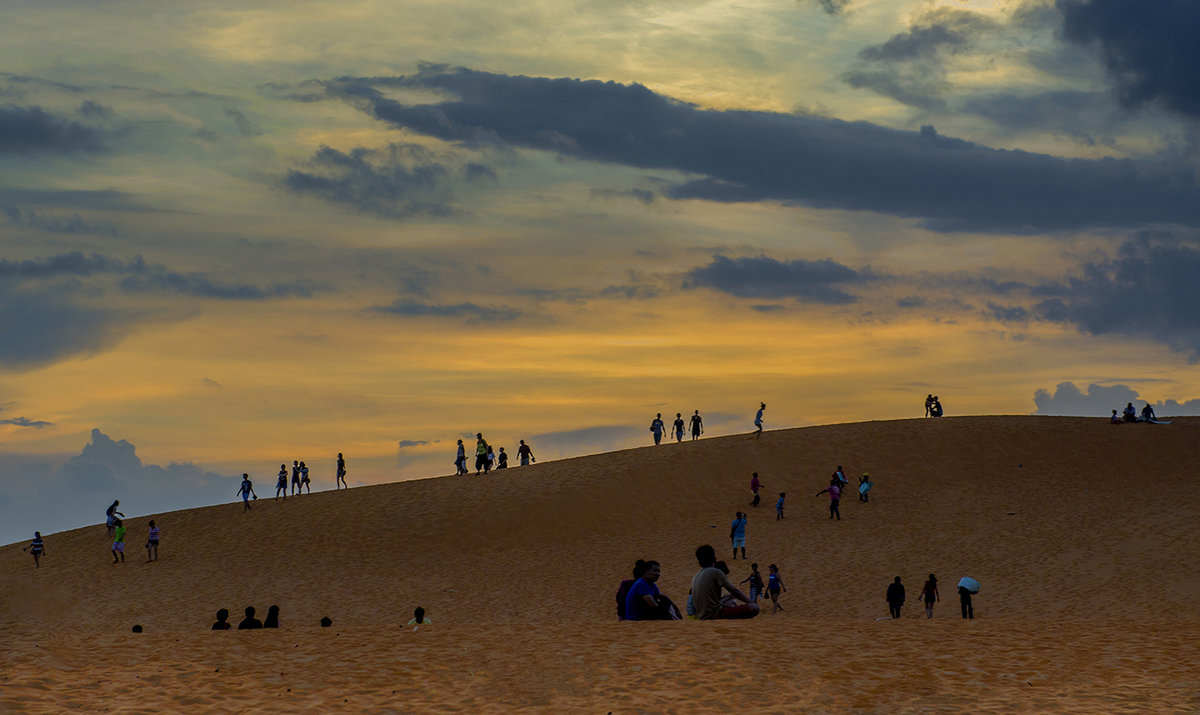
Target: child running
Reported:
point(37, 547)
point(756, 583)
point(281, 484)
point(118, 546)
point(152, 543)
point(774, 587)
point(779, 506)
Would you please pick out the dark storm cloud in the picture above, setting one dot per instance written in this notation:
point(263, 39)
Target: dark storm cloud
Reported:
point(33, 130)
point(1085, 115)
point(1149, 289)
point(952, 32)
point(75, 263)
point(26, 422)
point(743, 156)
point(403, 181)
point(42, 325)
point(1149, 49)
point(471, 312)
point(763, 277)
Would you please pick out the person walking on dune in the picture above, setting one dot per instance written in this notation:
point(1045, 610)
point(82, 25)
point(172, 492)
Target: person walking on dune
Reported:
point(678, 425)
point(118, 547)
point(481, 450)
point(929, 595)
point(295, 476)
point(656, 428)
point(152, 543)
point(697, 425)
point(755, 485)
point(835, 495)
point(460, 460)
point(341, 472)
point(245, 491)
point(895, 598)
point(304, 482)
point(775, 587)
point(281, 483)
point(779, 506)
point(526, 454)
point(758, 421)
point(502, 459)
point(37, 547)
point(737, 534)
point(111, 514)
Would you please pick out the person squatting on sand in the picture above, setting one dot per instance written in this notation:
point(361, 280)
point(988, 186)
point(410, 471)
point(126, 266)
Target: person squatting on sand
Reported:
point(37, 547)
point(645, 603)
point(111, 514)
point(222, 623)
point(525, 454)
point(657, 427)
point(835, 495)
point(245, 491)
point(774, 587)
point(249, 623)
point(707, 586)
point(281, 483)
point(697, 425)
point(895, 598)
point(152, 543)
point(929, 594)
point(737, 534)
point(419, 618)
point(341, 471)
point(755, 485)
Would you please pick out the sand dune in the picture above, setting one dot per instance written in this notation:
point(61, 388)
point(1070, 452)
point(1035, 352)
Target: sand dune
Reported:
point(1084, 536)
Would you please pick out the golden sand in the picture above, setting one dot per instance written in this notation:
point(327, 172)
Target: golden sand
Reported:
point(1084, 536)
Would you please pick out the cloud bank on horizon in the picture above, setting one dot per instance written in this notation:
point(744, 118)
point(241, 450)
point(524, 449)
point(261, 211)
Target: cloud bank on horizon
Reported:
point(232, 246)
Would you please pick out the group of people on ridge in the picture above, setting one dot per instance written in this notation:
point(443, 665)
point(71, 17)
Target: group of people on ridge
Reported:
point(933, 406)
point(658, 427)
point(1130, 414)
point(486, 460)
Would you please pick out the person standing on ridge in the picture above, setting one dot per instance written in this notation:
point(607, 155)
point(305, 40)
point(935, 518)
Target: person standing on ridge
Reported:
point(526, 454)
point(460, 460)
point(697, 425)
point(929, 405)
point(295, 476)
point(304, 483)
point(281, 483)
point(481, 450)
point(678, 427)
point(341, 472)
point(758, 422)
point(657, 428)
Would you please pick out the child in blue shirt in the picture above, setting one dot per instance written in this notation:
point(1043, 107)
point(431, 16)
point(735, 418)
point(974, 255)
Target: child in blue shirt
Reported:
point(779, 506)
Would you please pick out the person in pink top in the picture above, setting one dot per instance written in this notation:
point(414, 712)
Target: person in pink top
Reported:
point(835, 494)
point(754, 487)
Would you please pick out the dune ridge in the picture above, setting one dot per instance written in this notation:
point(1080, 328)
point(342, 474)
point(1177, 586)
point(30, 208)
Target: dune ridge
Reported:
point(1083, 534)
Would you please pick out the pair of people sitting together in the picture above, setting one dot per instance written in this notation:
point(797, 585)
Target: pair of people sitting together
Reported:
point(638, 599)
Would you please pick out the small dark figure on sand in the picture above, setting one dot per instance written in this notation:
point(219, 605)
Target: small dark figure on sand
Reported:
point(895, 597)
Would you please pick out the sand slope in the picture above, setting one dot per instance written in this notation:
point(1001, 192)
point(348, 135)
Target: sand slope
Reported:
point(1083, 534)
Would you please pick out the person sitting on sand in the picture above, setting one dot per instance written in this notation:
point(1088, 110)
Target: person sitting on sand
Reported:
point(110, 516)
point(644, 602)
point(1148, 413)
point(419, 618)
point(935, 410)
point(249, 623)
point(657, 427)
point(281, 483)
point(118, 546)
point(639, 568)
point(707, 586)
point(835, 496)
point(1129, 413)
point(895, 597)
point(1116, 419)
point(37, 547)
point(929, 594)
point(222, 623)
point(272, 619)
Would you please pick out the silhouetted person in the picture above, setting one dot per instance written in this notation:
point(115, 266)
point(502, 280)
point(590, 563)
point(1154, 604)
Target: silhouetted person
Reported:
point(935, 410)
point(281, 483)
point(502, 459)
point(895, 597)
point(657, 427)
point(110, 516)
point(525, 453)
point(295, 476)
point(245, 491)
point(697, 425)
point(930, 595)
point(341, 472)
point(1148, 413)
point(38, 547)
point(755, 485)
point(222, 623)
point(481, 451)
point(1129, 414)
point(249, 623)
point(929, 405)
point(758, 420)
point(272, 619)
point(678, 425)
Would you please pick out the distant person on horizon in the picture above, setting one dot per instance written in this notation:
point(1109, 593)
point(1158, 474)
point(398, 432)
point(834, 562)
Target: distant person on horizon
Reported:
point(895, 598)
point(490, 462)
point(779, 506)
point(281, 483)
point(678, 427)
point(758, 421)
point(295, 476)
point(245, 491)
point(502, 459)
point(460, 460)
point(118, 546)
point(341, 472)
point(657, 427)
point(697, 425)
point(935, 410)
point(37, 547)
point(929, 594)
point(152, 543)
point(1129, 413)
point(1116, 419)
point(481, 451)
point(737, 534)
point(755, 485)
point(304, 483)
point(1148, 414)
point(708, 585)
point(272, 619)
point(111, 514)
point(835, 495)
point(929, 405)
point(222, 623)
point(526, 454)
point(249, 623)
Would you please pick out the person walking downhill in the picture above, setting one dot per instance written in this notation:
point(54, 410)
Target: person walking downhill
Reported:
point(755, 485)
point(37, 547)
point(895, 598)
point(245, 491)
point(118, 547)
point(152, 543)
point(775, 587)
point(755, 580)
point(779, 506)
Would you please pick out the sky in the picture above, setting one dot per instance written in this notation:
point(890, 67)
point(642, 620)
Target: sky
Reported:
point(232, 237)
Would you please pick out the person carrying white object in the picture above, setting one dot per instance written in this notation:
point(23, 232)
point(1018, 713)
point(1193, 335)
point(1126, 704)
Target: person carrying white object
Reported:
point(967, 587)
